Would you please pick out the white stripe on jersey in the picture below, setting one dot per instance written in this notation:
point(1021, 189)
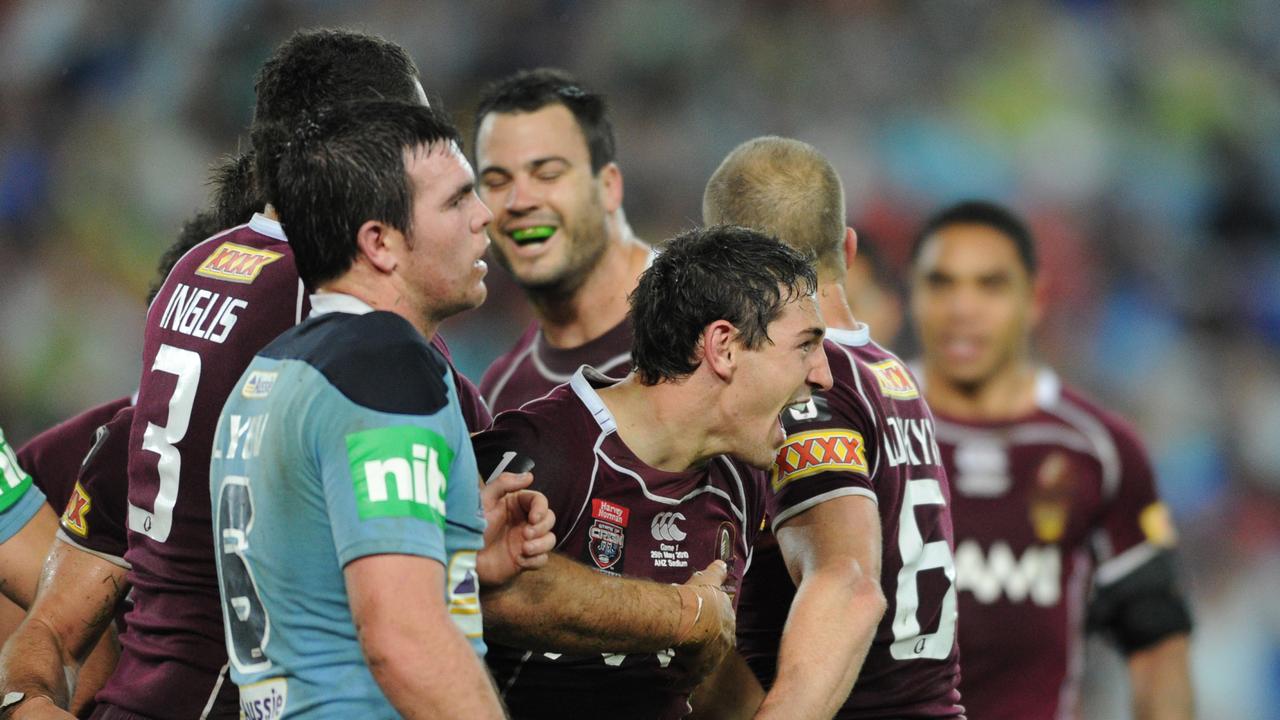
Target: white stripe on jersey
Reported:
point(501, 385)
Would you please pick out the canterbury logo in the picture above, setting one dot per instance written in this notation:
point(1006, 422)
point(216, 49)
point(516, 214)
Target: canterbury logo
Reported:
point(664, 527)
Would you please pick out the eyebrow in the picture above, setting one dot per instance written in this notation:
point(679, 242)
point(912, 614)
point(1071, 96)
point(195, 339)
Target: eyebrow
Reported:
point(532, 165)
point(459, 193)
point(813, 333)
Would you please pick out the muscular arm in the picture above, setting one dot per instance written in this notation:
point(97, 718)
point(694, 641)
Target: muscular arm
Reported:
point(567, 607)
point(1161, 681)
point(418, 656)
point(833, 553)
point(76, 600)
point(22, 555)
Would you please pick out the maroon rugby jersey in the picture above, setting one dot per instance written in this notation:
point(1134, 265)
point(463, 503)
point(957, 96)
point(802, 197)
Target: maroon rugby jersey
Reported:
point(53, 457)
point(95, 512)
point(222, 302)
point(871, 435)
point(533, 367)
point(617, 515)
point(1038, 500)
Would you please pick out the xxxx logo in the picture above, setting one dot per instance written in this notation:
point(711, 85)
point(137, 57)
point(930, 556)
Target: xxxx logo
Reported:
point(76, 515)
point(816, 451)
point(236, 263)
point(894, 380)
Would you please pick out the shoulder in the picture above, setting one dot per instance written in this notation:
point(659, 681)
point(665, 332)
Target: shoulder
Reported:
point(1089, 416)
point(494, 375)
point(376, 360)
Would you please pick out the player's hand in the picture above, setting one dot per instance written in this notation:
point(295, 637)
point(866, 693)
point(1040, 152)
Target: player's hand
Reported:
point(518, 533)
point(39, 708)
point(712, 635)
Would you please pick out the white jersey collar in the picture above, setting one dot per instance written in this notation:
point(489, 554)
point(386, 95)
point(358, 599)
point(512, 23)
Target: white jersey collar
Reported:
point(271, 228)
point(856, 337)
point(331, 302)
point(581, 384)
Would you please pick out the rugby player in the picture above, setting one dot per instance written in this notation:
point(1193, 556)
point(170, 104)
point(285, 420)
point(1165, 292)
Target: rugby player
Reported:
point(858, 504)
point(544, 150)
point(346, 492)
point(662, 471)
point(1057, 520)
point(223, 301)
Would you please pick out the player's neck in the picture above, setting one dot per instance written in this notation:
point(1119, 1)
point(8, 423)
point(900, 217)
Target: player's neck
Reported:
point(657, 422)
point(600, 303)
point(1008, 394)
point(383, 295)
point(833, 303)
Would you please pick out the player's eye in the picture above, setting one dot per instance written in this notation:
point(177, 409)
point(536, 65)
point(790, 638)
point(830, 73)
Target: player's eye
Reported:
point(494, 181)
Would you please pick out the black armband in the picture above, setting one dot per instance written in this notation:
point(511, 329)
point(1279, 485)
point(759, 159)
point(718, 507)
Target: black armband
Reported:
point(1143, 607)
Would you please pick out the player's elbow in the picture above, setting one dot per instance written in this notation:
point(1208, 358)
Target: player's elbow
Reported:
point(861, 589)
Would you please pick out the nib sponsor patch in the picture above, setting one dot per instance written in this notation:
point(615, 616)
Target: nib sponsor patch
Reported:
point(259, 384)
point(236, 263)
point(816, 451)
point(400, 471)
point(894, 380)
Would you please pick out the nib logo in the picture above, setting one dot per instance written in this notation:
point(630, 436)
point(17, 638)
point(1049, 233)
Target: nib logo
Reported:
point(400, 472)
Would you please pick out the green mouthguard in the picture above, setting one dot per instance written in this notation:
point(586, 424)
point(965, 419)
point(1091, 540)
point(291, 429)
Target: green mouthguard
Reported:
point(533, 234)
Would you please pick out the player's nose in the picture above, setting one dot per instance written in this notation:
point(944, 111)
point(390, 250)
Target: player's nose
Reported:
point(819, 377)
point(521, 197)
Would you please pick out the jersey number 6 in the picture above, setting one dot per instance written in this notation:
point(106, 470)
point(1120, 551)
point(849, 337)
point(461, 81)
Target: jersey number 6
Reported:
point(909, 643)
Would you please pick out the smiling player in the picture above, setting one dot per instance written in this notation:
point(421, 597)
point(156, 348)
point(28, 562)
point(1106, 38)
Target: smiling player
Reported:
point(545, 155)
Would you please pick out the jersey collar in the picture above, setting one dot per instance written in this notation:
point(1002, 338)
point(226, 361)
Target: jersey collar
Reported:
point(330, 302)
point(856, 337)
point(262, 224)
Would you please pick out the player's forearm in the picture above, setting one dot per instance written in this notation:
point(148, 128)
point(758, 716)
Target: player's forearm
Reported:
point(1161, 680)
point(832, 622)
point(33, 662)
point(567, 607)
point(95, 671)
point(431, 674)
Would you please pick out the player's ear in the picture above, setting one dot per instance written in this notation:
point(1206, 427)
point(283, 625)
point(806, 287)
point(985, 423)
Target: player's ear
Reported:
point(377, 243)
point(719, 351)
point(610, 178)
point(850, 246)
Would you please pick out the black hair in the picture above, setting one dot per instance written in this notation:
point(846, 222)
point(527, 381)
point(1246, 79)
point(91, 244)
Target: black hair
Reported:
point(195, 230)
point(532, 90)
point(235, 194)
point(723, 272)
point(982, 212)
point(326, 67)
point(341, 166)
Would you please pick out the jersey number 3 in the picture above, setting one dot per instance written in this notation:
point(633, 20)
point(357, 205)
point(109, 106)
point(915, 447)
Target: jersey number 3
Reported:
point(909, 643)
point(185, 364)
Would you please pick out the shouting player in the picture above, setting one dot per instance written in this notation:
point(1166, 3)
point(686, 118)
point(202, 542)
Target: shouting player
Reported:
point(1055, 501)
point(346, 491)
point(858, 503)
point(659, 473)
point(223, 301)
point(544, 150)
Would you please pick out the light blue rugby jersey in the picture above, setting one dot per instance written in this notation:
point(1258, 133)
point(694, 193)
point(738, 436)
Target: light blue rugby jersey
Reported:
point(19, 498)
point(342, 439)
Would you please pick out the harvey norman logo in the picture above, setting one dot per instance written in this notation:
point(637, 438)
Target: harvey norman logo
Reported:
point(236, 263)
point(400, 472)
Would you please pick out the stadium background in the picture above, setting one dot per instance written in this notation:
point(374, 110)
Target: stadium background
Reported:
point(1142, 140)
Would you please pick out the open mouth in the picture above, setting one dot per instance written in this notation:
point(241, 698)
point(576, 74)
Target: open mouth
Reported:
point(532, 235)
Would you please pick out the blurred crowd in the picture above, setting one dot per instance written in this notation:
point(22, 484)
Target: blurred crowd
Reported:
point(1141, 139)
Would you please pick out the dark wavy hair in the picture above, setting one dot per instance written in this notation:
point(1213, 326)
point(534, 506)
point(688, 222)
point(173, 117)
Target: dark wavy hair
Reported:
point(724, 272)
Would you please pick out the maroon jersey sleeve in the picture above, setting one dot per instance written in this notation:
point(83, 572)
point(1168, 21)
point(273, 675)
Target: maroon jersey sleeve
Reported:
point(825, 455)
point(517, 443)
point(95, 514)
point(53, 457)
point(1134, 515)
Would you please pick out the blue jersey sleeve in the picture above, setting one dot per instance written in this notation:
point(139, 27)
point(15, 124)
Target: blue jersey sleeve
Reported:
point(385, 479)
point(19, 498)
